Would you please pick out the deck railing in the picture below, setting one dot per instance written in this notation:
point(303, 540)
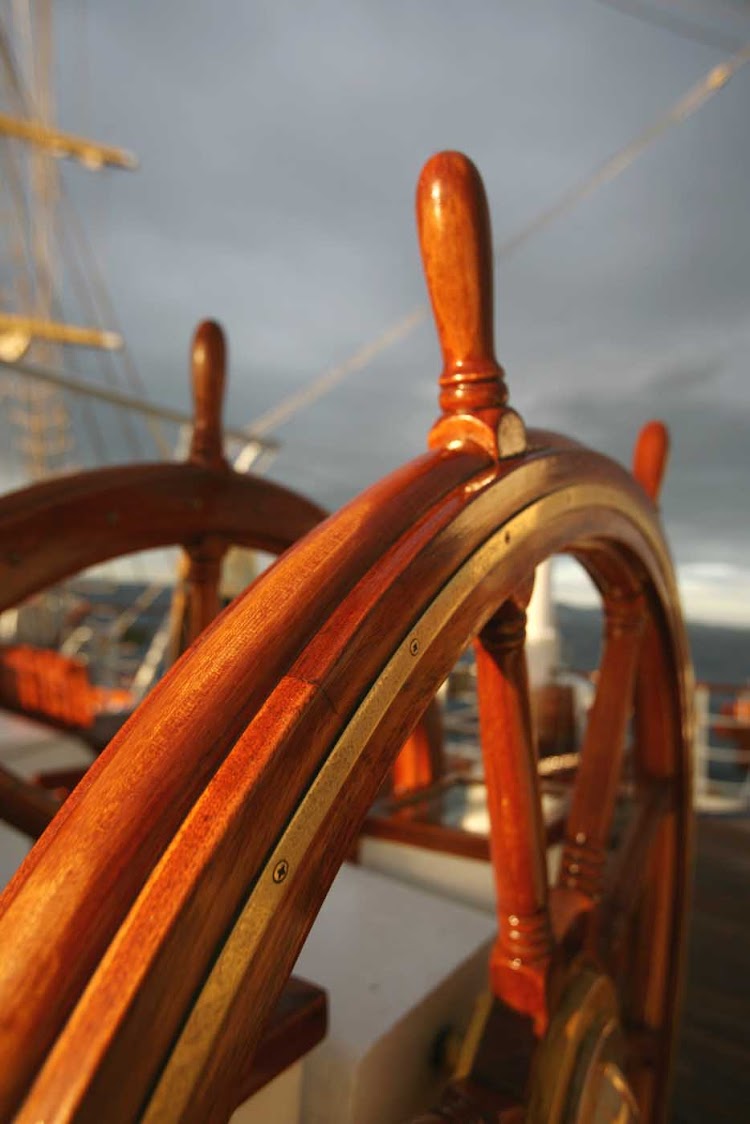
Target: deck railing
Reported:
point(722, 749)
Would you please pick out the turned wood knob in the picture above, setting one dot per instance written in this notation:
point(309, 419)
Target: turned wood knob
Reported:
point(455, 239)
point(208, 357)
point(650, 457)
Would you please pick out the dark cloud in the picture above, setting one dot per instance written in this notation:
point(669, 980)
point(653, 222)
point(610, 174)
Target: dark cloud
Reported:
point(706, 501)
point(280, 145)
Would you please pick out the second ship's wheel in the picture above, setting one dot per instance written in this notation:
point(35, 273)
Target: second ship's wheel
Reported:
point(178, 926)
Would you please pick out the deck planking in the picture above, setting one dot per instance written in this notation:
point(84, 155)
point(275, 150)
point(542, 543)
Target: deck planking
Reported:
point(712, 1078)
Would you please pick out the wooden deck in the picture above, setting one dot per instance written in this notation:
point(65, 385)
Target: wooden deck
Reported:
point(712, 1081)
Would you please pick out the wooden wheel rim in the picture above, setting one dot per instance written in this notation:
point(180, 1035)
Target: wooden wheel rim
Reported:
point(571, 516)
point(585, 1023)
point(198, 1039)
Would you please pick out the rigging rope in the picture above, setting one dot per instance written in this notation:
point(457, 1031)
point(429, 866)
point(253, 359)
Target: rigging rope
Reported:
point(615, 165)
point(304, 397)
point(129, 402)
point(675, 22)
point(90, 287)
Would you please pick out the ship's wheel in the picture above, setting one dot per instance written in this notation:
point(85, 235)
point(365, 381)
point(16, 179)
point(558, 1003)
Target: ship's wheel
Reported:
point(150, 932)
point(59, 527)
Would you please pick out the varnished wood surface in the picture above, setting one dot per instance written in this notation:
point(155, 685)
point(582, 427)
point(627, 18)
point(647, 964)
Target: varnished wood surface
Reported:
point(113, 511)
point(415, 832)
point(145, 792)
point(455, 239)
point(58, 527)
point(53, 529)
point(522, 953)
point(419, 823)
point(650, 457)
point(421, 761)
point(208, 369)
point(712, 1074)
point(24, 805)
point(298, 1022)
point(180, 879)
point(131, 802)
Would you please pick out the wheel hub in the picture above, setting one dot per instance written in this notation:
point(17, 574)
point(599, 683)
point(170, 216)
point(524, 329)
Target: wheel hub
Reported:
point(578, 1075)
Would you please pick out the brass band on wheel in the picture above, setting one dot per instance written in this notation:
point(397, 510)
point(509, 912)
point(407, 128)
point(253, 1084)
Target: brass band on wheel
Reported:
point(568, 508)
point(578, 1069)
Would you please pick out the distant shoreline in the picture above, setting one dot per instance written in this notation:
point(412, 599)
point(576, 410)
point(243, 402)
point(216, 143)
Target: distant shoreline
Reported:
point(721, 652)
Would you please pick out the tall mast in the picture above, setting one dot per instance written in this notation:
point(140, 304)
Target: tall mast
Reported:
point(31, 323)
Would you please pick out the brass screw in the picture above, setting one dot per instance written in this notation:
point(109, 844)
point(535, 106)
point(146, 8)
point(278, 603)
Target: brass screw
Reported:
point(414, 646)
point(280, 871)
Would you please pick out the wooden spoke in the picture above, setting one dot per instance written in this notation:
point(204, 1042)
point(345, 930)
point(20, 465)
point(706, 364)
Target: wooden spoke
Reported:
point(204, 575)
point(644, 1054)
point(658, 726)
point(208, 366)
point(421, 761)
point(207, 451)
point(595, 793)
point(521, 956)
point(662, 897)
point(298, 1022)
point(630, 867)
point(26, 806)
point(60, 781)
point(655, 725)
point(456, 242)
point(650, 457)
point(179, 611)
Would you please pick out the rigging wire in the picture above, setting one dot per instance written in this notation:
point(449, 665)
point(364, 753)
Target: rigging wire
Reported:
point(678, 24)
point(695, 98)
point(91, 312)
point(330, 378)
point(739, 9)
point(94, 295)
point(14, 179)
point(107, 313)
point(129, 402)
point(42, 266)
point(89, 288)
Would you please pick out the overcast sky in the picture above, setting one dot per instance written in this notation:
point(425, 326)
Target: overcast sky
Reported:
point(280, 145)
